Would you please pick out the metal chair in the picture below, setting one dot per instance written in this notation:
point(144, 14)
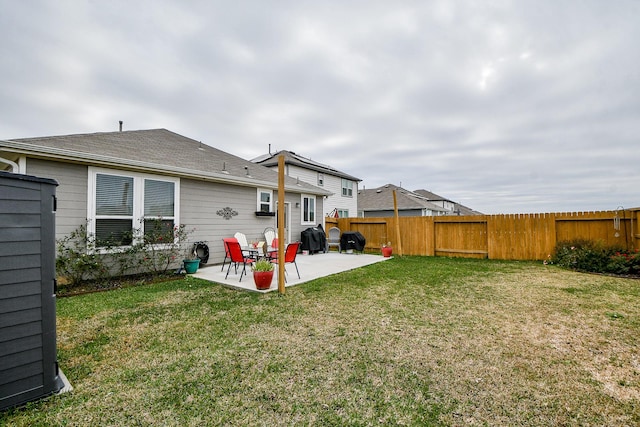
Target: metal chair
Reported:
point(235, 253)
point(226, 251)
point(290, 254)
point(334, 238)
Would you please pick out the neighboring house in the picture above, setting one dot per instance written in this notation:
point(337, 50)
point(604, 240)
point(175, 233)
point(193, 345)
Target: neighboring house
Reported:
point(344, 187)
point(117, 181)
point(378, 202)
point(453, 207)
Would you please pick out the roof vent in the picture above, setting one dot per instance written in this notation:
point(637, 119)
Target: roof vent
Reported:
point(120, 125)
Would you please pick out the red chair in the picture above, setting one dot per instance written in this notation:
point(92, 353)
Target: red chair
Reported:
point(226, 251)
point(236, 256)
point(290, 254)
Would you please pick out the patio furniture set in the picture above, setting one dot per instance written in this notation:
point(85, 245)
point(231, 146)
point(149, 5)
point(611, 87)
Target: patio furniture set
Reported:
point(240, 253)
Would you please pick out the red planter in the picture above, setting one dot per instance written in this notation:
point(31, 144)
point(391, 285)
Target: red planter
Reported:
point(386, 251)
point(263, 279)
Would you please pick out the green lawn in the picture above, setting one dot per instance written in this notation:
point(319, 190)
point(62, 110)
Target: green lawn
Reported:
point(411, 341)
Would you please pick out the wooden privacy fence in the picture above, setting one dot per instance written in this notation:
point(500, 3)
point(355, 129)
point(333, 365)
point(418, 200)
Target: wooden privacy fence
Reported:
point(512, 236)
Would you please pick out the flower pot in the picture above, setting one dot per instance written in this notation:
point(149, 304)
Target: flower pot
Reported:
point(386, 251)
point(191, 265)
point(263, 279)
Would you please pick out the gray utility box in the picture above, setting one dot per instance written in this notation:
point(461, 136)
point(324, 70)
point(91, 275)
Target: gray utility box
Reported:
point(28, 362)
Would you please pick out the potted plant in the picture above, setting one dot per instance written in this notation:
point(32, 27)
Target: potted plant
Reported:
point(191, 261)
point(262, 274)
point(387, 250)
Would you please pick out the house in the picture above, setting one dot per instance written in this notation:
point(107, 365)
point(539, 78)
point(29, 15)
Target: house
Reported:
point(115, 182)
point(453, 207)
point(378, 202)
point(344, 187)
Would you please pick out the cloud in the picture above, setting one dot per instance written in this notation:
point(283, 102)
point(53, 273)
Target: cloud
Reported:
point(504, 106)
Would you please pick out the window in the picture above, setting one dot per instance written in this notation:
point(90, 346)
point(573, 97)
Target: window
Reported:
point(308, 209)
point(320, 179)
point(265, 198)
point(120, 204)
point(347, 188)
point(343, 213)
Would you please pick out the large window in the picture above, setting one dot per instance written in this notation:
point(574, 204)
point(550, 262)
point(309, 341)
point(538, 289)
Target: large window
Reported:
point(347, 188)
point(308, 209)
point(124, 207)
point(265, 198)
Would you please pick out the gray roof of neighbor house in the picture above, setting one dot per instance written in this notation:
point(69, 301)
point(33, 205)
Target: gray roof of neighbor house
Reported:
point(292, 158)
point(381, 198)
point(459, 209)
point(156, 150)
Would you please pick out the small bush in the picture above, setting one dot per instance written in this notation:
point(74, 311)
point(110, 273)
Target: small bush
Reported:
point(155, 252)
point(595, 257)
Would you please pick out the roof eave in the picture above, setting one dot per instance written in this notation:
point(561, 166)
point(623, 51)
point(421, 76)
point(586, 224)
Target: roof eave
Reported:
point(119, 163)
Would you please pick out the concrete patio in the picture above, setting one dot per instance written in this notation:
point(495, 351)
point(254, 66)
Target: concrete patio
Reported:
point(310, 266)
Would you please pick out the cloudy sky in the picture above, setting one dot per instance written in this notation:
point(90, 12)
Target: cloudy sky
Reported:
point(504, 106)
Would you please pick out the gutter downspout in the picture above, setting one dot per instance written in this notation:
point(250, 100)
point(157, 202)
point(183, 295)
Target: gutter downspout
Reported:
point(14, 166)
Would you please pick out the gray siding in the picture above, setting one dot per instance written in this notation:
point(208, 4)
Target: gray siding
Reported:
point(200, 201)
point(28, 368)
point(72, 192)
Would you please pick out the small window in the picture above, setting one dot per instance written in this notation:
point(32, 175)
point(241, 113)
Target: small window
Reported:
point(320, 179)
point(308, 209)
point(343, 213)
point(347, 188)
point(265, 198)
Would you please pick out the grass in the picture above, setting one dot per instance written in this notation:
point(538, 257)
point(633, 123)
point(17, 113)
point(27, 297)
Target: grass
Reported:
point(411, 341)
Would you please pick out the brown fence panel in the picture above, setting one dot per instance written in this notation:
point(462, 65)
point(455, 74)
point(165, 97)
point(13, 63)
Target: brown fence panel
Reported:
point(461, 236)
point(634, 230)
point(373, 229)
point(521, 236)
point(515, 236)
point(416, 233)
point(597, 226)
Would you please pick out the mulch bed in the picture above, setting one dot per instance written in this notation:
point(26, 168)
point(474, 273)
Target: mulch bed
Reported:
point(91, 286)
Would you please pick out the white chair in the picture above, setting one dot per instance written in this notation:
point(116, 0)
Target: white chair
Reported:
point(269, 235)
point(242, 239)
point(333, 239)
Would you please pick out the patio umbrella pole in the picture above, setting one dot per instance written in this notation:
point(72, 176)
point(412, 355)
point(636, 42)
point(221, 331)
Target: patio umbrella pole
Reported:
point(281, 195)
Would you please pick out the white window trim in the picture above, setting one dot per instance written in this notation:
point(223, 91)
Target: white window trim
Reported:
point(348, 187)
point(259, 201)
point(315, 209)
point(138, 196)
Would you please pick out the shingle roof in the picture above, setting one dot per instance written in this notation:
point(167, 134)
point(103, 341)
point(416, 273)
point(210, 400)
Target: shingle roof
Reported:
point(157, 150)
point(292, 158)
point(459, 209)
point(381, 198)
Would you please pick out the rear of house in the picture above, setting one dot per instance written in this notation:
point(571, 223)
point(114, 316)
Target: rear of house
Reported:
point(119, 182)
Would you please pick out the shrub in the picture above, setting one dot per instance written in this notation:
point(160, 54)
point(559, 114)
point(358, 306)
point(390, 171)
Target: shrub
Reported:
point(76, 258)
point(154, 252)
point(595, 257)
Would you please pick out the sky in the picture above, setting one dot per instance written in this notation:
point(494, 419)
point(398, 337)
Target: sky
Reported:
point(524, 106)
